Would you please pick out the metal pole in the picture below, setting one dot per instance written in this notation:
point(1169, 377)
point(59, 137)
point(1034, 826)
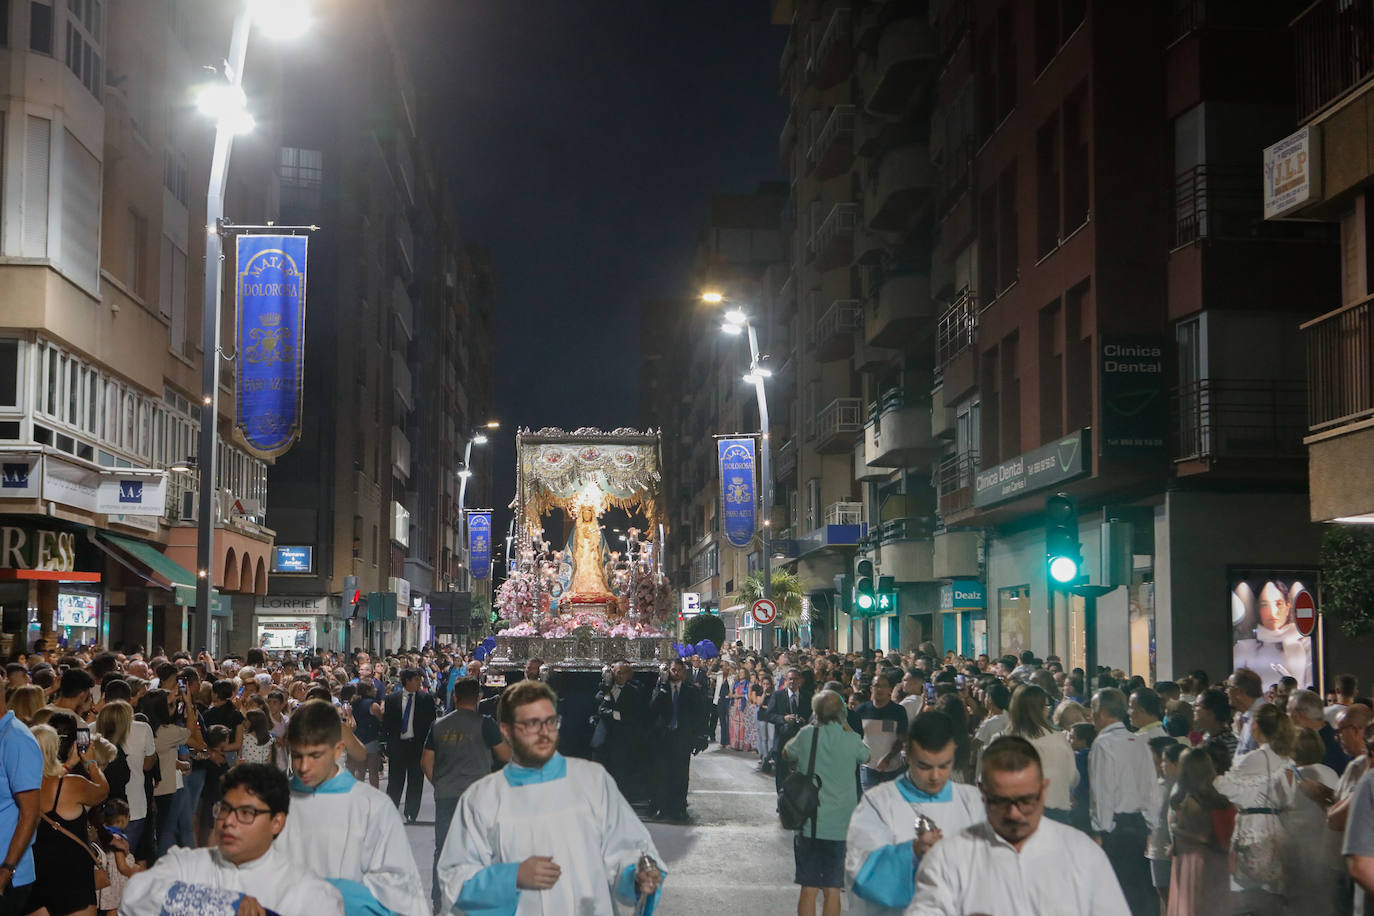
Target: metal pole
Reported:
point(206, 458)
point(765, 475)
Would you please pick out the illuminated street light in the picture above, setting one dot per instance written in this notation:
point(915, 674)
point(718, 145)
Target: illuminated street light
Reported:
point(282, 20)
point(226, 104)
point(712, 298)
point(731, 329)
point(735, 316)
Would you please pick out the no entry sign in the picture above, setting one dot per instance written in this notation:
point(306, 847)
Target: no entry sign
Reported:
point(1305, 613)
point(764, 611)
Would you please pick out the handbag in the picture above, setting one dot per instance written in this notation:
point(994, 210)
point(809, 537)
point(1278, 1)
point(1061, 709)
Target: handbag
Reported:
point(799, 799)
point(1256, 860)
point(102, 875)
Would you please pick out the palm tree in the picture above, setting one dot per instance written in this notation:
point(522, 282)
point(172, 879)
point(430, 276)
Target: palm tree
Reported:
point(787, 595)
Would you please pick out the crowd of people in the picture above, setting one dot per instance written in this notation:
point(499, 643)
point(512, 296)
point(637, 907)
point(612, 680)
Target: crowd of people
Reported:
point(150, 784)
point(953, 785)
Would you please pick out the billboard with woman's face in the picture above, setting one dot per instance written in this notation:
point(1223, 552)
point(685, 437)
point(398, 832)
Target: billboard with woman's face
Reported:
point(1266, 639)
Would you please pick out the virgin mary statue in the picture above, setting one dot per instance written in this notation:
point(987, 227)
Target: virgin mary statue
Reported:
point(588, 549)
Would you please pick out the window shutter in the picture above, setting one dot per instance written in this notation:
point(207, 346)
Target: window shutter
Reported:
point(80, 211)
point(37, 150)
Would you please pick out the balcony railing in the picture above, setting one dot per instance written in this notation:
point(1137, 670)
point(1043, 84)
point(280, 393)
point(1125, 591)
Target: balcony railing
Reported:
point(832, 240)
point(1239, 418)
point(832, 152)
point(838, 322)
point(1217, 202)
point(957, 473)
point(1333, 42)
point(844, 513)
point(957, 329)
point(1340, 366)
point(785, 463)
point(829, 59)
point(953, 173)
point(914, 528)
point(842, 417)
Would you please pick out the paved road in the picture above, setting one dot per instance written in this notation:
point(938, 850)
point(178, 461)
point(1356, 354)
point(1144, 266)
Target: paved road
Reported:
point(732, 858)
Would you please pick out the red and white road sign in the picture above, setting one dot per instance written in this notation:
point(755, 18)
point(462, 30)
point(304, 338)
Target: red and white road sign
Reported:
point(764, 611)
point(1305, 613)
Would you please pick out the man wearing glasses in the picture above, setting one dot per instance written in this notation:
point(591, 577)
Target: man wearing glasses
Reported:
point(546, 834)
point(1015, 861)
point(245, 875)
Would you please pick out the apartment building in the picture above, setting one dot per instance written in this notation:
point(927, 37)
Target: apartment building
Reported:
point(694, 391)
point(101, 253)
point(399, 342)
point(1027, 255)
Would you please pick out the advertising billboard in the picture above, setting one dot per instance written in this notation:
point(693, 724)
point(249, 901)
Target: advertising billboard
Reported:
point(78, 610)
point(1264, 633)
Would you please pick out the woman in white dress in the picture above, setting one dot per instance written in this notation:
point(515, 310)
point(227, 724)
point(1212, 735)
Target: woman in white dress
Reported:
point(1029, 717)
point(1263, 785)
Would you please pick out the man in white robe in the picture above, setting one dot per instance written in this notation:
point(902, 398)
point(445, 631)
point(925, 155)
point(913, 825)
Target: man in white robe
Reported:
point(345, 830)
point(247, 874)
point(882, 849)
point(1017, 861)
point(547, 835)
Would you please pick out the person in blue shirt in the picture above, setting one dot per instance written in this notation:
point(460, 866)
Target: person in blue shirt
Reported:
point(21, 776)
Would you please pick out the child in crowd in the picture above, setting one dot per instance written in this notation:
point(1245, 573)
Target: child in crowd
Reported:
point(111, 820)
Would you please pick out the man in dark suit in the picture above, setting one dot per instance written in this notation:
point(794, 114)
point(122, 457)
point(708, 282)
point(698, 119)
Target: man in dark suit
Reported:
point(788, 710)
point(697, 676)
point(621, 716)
point(679, 711)
point(407, 715)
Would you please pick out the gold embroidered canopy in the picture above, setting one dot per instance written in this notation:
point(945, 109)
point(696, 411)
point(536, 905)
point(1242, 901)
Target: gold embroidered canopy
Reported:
point(561, 470)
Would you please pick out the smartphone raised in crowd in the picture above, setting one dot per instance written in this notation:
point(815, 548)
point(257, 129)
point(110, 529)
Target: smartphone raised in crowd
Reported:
point(83, 739)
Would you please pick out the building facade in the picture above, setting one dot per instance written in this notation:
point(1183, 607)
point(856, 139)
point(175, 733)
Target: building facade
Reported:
point(101, 259)
point(400, 341)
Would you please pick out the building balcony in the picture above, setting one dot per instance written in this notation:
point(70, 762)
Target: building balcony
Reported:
point(832, 153)
point(863, 471)
point(832, 336)
point(869, 246)
point(900, 431)
point(839, 425)
point(868, 358)
point(953, 174)
point(785, 461)
point(787, 138)
point(404, 308)
point(832, 244)
point(942, 414)
point(405, 240)
point(956, 331)
point(1331, 42)
point(843, 528)
point(787, 295)
point(956, 478)
point(1218, 421)
point(906, 52)
point(400, 380)
point(899, 309)
point(400, 453)
point(1340, 367)
point(833, 56)
point(956, 554)
point(906, 548)
point(903, 182)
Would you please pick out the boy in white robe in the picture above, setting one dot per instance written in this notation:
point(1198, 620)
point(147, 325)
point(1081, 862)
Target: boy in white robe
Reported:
point(247, 873)
point(882, 849)
point(344, 830)
point(545, 835)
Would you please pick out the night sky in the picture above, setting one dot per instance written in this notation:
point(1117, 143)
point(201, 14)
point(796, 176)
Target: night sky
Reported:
point(583, 139)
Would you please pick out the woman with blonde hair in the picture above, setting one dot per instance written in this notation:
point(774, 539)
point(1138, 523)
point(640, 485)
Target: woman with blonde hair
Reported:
point(64, 864)
point(26, 701)
point(1029, 718)
point(113, 724)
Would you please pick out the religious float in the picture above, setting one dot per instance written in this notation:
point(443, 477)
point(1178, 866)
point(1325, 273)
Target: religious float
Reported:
point(593, 599)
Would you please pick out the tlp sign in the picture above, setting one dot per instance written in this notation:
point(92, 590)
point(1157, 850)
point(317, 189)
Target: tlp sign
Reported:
point(1292, 173)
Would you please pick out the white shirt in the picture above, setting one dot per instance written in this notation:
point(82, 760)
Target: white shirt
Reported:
point(1121, 778)
point(272, 879)
point(580, 819)
point(990, 728)
point(913, 705)
point(356, 835)
point(884, 818)
point(1059, 871)
point(1345, 787)
point(1333, 712)
point(1060, 768)
point(139, 744)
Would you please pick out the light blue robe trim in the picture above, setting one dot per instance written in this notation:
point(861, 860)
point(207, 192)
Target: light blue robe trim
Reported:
point(340, 783)
point(358, 900)
point(625, 889)
point(556, 768)
point(888, 876)
point(491, 892)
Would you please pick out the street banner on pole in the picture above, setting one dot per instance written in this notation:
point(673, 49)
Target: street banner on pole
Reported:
point(737, 486)
point(270, 286)
point(479, 543)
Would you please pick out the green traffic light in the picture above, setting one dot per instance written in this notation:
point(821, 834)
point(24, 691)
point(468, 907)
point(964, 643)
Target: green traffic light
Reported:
point(1063, 569)
point(865, 602)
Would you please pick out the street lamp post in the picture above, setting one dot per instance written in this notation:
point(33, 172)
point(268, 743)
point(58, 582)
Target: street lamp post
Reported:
point(477, 438)
point(736, 321)
point(227, 103)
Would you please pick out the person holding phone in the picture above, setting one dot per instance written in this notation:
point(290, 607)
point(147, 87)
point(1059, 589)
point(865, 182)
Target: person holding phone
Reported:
point(64, 865)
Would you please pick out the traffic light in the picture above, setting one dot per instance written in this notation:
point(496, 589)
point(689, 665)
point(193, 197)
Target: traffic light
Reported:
point(886, 596)
point(352, 595)
point(1063, 553)
point(865, 594)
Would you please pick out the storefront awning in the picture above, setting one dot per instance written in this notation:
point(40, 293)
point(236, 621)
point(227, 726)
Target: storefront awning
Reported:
point(47, 575)
point(180, 580)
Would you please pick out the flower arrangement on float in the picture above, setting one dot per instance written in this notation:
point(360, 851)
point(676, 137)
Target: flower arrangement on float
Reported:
point(653, 606)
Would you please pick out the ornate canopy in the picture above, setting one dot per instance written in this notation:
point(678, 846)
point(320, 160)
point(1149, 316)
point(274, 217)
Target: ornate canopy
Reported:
point(561, 470)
